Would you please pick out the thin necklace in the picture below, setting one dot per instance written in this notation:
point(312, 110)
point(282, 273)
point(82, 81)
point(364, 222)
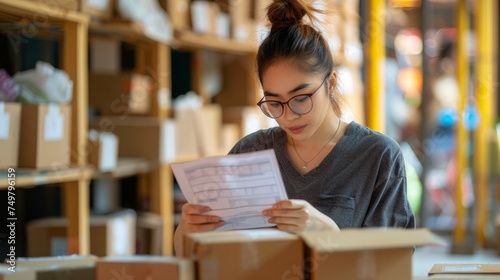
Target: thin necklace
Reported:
point(307, 162)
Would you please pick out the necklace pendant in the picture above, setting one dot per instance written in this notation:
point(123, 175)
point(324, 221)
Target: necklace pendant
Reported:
point(304, 167)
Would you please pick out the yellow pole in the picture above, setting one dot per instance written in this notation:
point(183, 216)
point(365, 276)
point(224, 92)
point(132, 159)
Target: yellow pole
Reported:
point(484, 97)
point(462, 139)
point(375, 66)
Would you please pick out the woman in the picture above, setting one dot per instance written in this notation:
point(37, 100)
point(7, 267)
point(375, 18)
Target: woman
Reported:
point(337, 175)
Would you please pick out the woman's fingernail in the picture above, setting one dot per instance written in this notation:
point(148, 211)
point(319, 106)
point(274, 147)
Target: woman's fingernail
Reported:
point(206, 209)
point(214, 219)
point(265, 212)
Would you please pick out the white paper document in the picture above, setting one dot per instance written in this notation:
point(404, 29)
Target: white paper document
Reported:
point(237, 187)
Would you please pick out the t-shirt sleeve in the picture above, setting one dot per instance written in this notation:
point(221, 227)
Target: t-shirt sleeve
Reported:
point(389, 206)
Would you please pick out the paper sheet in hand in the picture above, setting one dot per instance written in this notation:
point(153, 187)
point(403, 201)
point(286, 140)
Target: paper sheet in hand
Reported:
point(237, 187)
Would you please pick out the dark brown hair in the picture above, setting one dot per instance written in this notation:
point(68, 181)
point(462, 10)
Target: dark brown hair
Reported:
point(291, 38)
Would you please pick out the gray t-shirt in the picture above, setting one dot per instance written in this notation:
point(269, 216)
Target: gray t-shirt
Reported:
point(360, 183)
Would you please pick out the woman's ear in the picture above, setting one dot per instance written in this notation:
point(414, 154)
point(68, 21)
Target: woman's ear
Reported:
point(332, 81)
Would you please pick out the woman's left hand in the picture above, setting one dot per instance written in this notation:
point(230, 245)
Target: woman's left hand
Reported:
point(295, 215)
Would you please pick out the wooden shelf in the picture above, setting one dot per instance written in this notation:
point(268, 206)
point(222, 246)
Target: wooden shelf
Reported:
point(189, 39)
point(127, 167)
point(38, 14)
point(126, 31)
point(31, 178)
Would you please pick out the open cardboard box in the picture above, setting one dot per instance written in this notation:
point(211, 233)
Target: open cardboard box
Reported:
point(263, 254)
point(375, 254)
point(73, 267)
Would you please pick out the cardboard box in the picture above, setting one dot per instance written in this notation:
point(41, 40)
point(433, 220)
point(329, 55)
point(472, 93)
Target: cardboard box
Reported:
point(102, 9)
point(71, 5)
point(248, 118)
point(45, 136)
point(178, 12)
point(103, 150)
point(120, 94)
point(264, 254)
point(466, 269)
point(10, 123)
point(110, 235)
point(7, 273)
point(375, 254)
point(140, 137)
point(72, 267)
point(144, 267)
point(149, 233)
point(184, 140)
point(208, 121)
point(204, 17)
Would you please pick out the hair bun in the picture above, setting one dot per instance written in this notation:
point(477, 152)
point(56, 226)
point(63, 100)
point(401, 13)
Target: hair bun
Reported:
point(285, 13)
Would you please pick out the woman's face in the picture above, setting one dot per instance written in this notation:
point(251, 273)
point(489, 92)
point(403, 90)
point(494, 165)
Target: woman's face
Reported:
point(283, 81)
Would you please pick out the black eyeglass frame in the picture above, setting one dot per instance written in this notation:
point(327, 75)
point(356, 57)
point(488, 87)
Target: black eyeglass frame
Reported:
point(287, 102)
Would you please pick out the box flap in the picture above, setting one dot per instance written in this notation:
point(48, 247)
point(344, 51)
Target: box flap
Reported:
point(369, 239)
point(141, 259)
point(464, 268)
point(240, 236)
point(58, 261)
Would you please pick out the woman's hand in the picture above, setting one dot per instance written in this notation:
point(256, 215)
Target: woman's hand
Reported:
point(193, 218)
point(297, 215)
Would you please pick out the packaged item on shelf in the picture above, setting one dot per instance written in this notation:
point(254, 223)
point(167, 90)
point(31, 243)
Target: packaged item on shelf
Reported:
point(110, 235)
point(44, 84)
point(45, 136)
point(145, 267)
point(178, 12)
point(264, 254)
point(100, 9)
point(150, 15)
point(120, 94)
point(102, 150)
point(378, 253)
point(138, 137)
point(149, 231)
point(204, 17)
point(10, 123)
point(9, 90)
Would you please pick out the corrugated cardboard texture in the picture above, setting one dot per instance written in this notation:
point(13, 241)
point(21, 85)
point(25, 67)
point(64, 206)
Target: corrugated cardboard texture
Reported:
point(145, 267)
point(263, 254)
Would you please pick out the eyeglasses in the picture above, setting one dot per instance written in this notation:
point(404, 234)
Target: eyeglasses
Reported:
point(300, 104)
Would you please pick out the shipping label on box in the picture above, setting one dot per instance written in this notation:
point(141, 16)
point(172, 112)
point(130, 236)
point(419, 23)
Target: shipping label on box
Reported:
point(45, 136)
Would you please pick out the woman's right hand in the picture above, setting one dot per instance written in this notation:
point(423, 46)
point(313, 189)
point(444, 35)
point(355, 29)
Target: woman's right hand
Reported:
point(194, 219)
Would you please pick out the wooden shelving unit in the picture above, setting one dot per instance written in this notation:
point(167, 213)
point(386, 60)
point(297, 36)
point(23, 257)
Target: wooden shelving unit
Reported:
point(74, 29)
point(75, 180)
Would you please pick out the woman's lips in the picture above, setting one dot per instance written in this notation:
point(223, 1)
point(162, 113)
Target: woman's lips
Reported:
point(296, 129)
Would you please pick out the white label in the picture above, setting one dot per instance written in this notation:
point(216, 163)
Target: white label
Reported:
point(464, 268)
point(168, 141)
point(54, 124)
point(99, 4)
point(164, 98)
point(4, 122)
point(58, 246)
point(109, 152)
point(121, 237)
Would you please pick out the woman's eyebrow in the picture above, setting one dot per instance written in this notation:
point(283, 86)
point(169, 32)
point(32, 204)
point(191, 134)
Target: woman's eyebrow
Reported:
point(297, 88)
